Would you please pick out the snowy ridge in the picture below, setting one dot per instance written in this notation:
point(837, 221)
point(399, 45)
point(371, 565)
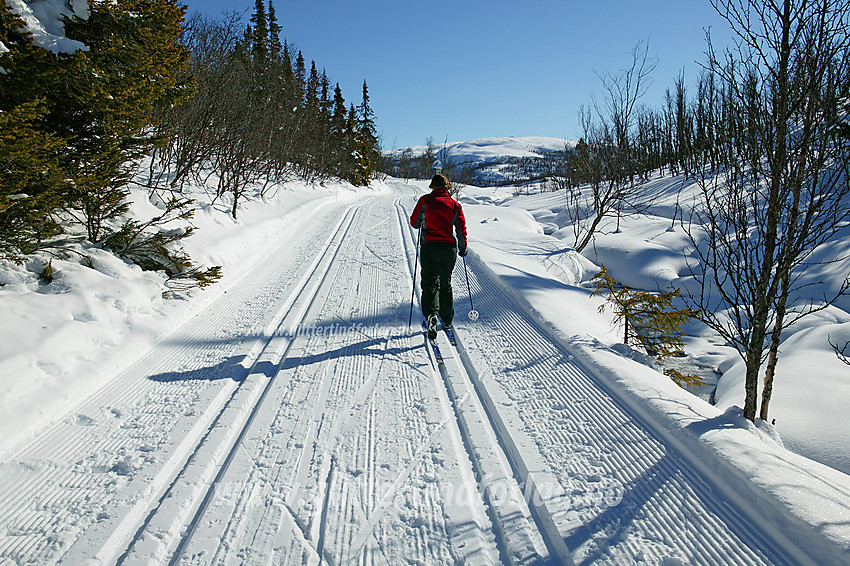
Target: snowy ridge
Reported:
point(487, 150)
point(485, 162)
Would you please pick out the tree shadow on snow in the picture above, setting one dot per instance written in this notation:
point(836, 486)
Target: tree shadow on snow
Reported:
point(613, 524)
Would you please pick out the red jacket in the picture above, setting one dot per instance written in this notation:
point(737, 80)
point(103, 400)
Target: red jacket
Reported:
point(437, 212)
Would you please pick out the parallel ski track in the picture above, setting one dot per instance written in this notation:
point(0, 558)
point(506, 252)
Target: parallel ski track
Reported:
point(236, 420)
point(319, 488)
point(507, 509)
point(589, 437)
point(42, 500)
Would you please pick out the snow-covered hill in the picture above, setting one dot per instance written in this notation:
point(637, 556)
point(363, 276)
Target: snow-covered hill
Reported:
point(487, 150)
point(489, 161)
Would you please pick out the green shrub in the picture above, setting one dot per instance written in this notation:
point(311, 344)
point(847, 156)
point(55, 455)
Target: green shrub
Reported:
point(649, 319)
point(154, 249)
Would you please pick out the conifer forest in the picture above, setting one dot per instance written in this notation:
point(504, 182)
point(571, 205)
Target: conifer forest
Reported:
point(200, 97)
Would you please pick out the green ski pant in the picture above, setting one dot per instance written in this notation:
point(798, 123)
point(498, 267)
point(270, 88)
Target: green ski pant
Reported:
point(438, 262)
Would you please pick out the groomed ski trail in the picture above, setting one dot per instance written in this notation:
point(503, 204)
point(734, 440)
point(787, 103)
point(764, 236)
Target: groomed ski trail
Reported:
point(599, 474)
point(297, 420)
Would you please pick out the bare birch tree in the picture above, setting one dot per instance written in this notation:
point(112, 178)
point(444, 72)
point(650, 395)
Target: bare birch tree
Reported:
point(607, 157)
point(783, 190)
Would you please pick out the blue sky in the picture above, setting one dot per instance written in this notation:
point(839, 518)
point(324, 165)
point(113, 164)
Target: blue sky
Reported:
point(468, 69)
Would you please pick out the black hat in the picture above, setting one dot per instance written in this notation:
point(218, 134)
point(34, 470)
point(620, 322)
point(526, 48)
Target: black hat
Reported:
point(440, 181)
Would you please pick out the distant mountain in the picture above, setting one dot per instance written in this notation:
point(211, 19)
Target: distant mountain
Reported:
point(483, 162)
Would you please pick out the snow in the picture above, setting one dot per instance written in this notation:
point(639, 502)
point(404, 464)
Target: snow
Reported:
point(43, 19)
point(57, 333)
point(811, 408)
point(811, 390)
point(514, 248)
point(489, 149)
point(65, 337)
point(288, 415)
point(487, 161)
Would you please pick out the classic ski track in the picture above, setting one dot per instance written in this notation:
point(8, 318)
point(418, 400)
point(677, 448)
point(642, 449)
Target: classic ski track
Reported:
point(525, 535)
point(330, 267)
point(327, 493)
point(674, 507)
point(213, 455)
point(27, 501)
point(365, 504)
point(587, 436)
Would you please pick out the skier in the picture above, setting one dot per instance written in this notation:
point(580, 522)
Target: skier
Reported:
point(435, 214)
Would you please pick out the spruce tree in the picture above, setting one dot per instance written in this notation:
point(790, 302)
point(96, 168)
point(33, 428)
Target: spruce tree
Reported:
point(259, 36)
point(274, 33)
point(288, 72)
point(368, 149)
point(312, 95)
point(33, 169)
point(352, 164)
point(324, 125)
point(312, 129)
point(649, 319)
point(33, 183)
point(109, 95)
point(300, 76)
point(338, 132)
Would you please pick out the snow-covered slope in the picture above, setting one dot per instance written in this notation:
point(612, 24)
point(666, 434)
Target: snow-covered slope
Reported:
point(62, 339)
point(487, 150)
point(489, 161)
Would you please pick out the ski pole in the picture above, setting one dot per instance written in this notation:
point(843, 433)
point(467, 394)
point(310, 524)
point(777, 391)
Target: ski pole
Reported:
point(473, 314)
point(415, 266)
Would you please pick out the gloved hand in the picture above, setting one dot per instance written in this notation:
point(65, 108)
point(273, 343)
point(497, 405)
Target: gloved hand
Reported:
point(461, 251)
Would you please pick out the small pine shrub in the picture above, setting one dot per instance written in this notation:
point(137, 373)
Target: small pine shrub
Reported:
point(649, 319)
point(682, 380)
point(153, 249)
point(194, 277)
point(656, 325)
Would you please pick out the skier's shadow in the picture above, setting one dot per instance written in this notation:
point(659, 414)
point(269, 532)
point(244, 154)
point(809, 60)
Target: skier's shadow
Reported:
point(369, 346)
point(380, 335)
point(230, 368)
point(234, 367)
